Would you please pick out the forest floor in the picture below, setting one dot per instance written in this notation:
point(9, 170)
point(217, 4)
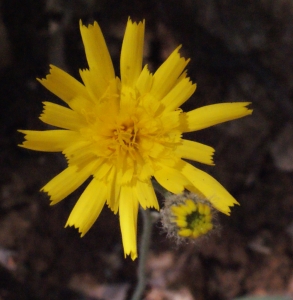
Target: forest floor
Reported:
point(239, 52)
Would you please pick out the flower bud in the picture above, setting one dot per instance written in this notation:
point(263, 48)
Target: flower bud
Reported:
point(188, 217)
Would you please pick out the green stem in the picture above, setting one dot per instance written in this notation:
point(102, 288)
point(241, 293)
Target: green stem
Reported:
point(143, 253)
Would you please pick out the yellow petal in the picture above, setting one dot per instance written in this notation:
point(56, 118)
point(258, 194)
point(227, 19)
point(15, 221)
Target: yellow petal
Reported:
point(196, 151)
point(181, 223)
point(168, 161)
point(179, 217)
point(203, 230)
point(103, 169)
point(99, 92)
point(62, 117)
point(67, 182)
point(209, 226)
point(66, 88)
point(152, 106)
point(146, 195)
point(145, 168)
point(88, 207)
point(188, 210)
point(185, 232)
point(114, 186)
point(178, 212)
point(201, 208)
point(181, 77)
point(196, 233)
point(90, 81)
point(79, 152)
point(170, 119)
point(127, 169)
point(128, 99)
point(132, 53)
point(144, 81)
point(49, 140)
point(179, 94)
point(171, 179)
point(128, 210)
point(207, 210)
point(167, 75)
point(210, 188)
point(98, 58)
point(214, 114)
point(191, 204)
point(151, 147)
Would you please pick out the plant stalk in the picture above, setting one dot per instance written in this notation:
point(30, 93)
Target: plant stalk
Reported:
point(143, 254)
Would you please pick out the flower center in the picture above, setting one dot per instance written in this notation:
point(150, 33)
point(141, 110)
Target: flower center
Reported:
point(126, 135)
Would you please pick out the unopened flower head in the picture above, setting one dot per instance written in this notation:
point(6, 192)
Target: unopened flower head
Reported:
point(123, 131)
point(187, 217)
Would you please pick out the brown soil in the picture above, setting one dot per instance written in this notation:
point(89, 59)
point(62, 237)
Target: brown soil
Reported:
point(240, 51)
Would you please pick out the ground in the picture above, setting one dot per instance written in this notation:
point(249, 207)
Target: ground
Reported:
point(240, 51)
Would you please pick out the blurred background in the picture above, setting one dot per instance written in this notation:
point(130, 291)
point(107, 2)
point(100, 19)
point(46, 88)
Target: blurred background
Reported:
point(240, 51)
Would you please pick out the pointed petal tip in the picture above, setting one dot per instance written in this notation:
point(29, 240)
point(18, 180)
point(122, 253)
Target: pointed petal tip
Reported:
point(132, 254)
point(51, 69)
point(52, 201)
point(187, 60)
point(139, 23)
point(23, 131)
point(82, 26)
point(154, 206)
point(246, 104)
point(70, 224)
point(114, 211)
point(150, 206)
point(227, 210)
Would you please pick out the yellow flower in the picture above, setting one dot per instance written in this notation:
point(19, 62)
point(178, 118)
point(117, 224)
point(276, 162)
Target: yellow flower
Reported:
point(192, 219)
point(188, 216)
point(123, 132)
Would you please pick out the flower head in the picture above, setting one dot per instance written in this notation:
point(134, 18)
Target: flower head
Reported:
point(122, 132)
point(187, 217)
point(192, 219)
